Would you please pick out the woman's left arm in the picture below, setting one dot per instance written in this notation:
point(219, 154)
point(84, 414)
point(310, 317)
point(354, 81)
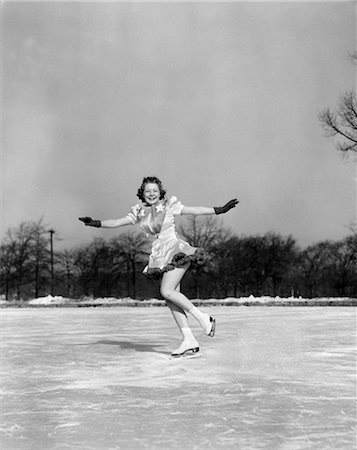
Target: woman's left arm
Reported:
point(197, 210)
point(204, 210)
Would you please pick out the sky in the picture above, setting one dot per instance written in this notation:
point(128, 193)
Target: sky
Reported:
point(219, 100)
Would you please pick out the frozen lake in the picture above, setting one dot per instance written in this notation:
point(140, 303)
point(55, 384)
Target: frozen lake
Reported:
point(101, 378)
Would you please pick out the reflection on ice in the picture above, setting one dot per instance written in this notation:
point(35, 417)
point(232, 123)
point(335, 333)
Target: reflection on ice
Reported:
point(272, 378)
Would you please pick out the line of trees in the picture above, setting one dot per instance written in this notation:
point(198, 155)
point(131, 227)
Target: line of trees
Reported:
point(269, 264)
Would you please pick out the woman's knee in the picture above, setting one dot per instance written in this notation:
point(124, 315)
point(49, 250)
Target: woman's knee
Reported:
point(167, 293)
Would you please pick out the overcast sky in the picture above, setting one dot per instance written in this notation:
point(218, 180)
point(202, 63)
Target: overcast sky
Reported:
point(219, 100)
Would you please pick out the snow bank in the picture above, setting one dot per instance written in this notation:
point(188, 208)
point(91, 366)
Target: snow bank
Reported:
point(127, 301)
point(50, 300)
point(265, 300)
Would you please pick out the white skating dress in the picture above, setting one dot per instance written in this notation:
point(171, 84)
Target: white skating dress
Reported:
point(168, 250)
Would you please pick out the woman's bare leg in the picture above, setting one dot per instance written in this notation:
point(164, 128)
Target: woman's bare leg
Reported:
point(178, 313)
point(169, 283)
point(189, 341)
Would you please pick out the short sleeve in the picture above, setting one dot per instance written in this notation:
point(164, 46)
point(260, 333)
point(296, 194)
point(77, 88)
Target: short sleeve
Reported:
point(133, 214)
point(174, 206)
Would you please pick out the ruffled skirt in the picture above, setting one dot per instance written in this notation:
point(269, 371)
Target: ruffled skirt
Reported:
point(168, 254)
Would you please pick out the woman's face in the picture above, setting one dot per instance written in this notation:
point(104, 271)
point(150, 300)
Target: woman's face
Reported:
point(151, 193)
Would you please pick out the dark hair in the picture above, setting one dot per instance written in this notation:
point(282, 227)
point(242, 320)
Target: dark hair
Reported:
point(147, 180)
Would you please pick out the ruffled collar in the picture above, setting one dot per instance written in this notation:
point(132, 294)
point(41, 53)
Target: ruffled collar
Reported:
point(158, 207)
point(153, 216)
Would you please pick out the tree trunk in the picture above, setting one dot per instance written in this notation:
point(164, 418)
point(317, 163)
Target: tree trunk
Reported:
point(68, 283)
point(133, 279)
point(7, 288)
point(36, 280)
point(235, 289)
point(128, 279)
point(19, 287)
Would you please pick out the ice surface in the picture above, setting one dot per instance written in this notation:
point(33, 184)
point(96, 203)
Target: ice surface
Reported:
point(101, 378)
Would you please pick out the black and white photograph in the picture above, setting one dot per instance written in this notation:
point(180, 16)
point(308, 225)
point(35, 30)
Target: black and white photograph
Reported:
point(178, 229)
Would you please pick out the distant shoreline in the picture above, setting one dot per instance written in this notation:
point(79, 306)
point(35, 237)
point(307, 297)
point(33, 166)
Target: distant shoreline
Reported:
point(61, 302)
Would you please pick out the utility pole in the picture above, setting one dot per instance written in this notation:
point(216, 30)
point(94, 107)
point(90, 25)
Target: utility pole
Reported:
point(52, 274)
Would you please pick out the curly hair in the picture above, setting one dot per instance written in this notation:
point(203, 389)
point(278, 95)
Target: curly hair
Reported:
point(147, 180)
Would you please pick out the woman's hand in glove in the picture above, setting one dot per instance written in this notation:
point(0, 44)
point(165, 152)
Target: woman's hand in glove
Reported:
point(223, 209)
point(89, 222)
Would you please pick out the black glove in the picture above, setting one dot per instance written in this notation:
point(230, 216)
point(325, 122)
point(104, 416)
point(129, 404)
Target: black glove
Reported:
point(223, 209)
point(89, 222)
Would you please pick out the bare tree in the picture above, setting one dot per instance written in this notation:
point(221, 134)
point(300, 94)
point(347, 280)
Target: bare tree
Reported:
point(341, 123)
point(25, 246)
point(93, 267)
point(66, 261)
point(133, 249)
point(342, 264)
point(82, 261)
point(258, 264)
point(200, 231)
point(7, 267)
point(281, 256)
point(313, 262)
point(40, 256)
point(205, 233)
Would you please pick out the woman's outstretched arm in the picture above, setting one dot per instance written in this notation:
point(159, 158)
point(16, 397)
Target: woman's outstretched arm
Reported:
point(204, 210)
point(108, 223)
point(115, 223)
point(197, 210)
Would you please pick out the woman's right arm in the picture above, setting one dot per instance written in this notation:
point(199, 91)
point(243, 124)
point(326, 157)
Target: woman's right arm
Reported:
point(109, 223)
point(115, 223)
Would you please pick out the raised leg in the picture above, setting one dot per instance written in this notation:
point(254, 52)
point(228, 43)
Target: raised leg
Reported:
point(169, 284)
point(169, 290)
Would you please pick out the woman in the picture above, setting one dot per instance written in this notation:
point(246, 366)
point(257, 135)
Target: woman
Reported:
point(170, 255)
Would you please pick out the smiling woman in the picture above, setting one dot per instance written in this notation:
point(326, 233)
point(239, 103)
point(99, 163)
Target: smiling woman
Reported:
point(170, 256)
point(151, 190)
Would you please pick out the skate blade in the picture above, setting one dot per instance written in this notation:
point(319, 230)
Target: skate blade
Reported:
point(194, 353)
point(185, 356)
